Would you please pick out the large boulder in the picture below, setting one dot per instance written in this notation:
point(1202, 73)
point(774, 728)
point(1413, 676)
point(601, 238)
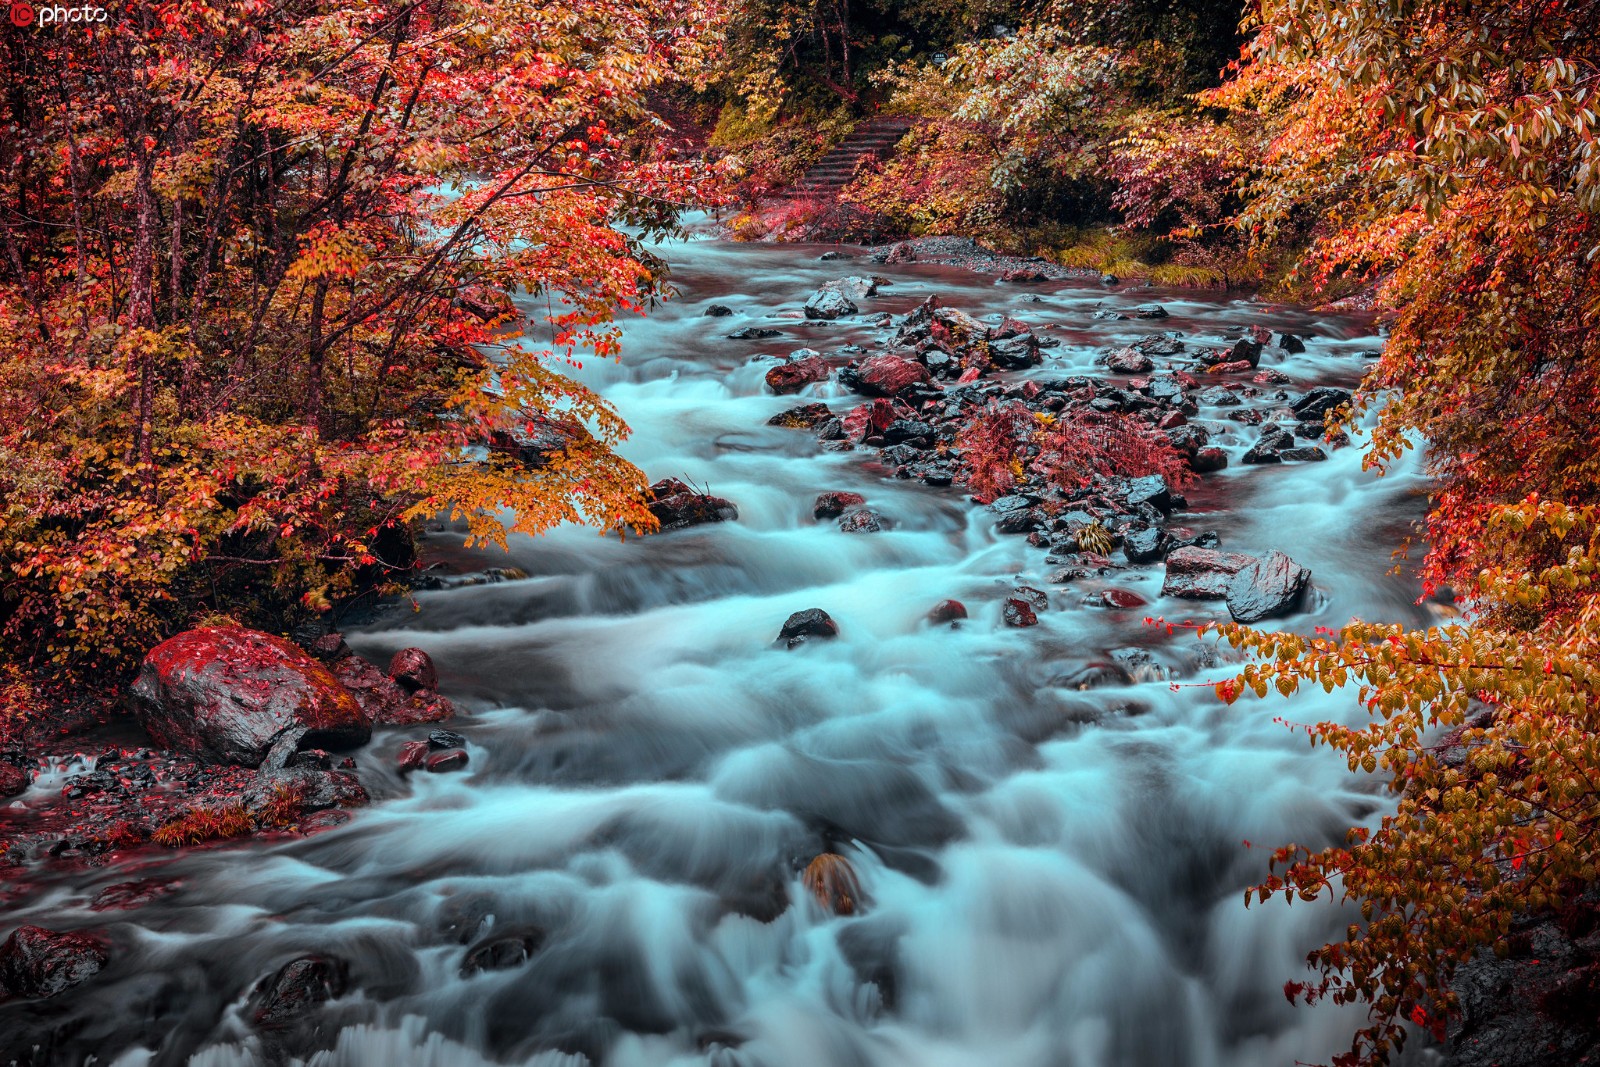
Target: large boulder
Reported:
point(854, 287)
point(885, 376)
point(35, 962)
point(235, 695)
point(1201, 573)
point(1269, 587)
point(677, 505)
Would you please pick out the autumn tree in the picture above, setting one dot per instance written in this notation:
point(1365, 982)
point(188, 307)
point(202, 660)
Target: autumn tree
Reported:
point(255, 305)
point(1445, 154)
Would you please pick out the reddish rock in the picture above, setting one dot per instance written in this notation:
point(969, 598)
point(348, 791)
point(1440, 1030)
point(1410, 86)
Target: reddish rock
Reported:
point(947, 611)
point(1128, 361)
point(1122, 599)
point(233, 694)
point(677, 505)
point(1019, 612)
point(126, 895)
point(13, 780)
point(861, 520)
point(795, 375)
point(1201, 573)
point(412, 756)
point(885, 376)
point(1237, 367)
point(454, 759)
point(35, 962)
point(413, 669)
point(1209, 459)
point(385, 701)
point(1024, 275)
point(832, 505)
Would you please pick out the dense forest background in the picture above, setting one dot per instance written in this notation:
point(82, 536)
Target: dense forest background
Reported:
point(255, 323)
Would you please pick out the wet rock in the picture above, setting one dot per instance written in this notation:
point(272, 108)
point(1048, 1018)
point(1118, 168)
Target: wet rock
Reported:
point(1201, 573)
point(1128, 361)
point(124, 896)
point(947, 611)
point(834, 254)
point(412, 669)
point(795, 375)
point(1270, 445)
point(804, 625)
point(1016, 353)
point(1209, 459)
point(300, 986)
point(385, 701)
point(1144, 545)
point(1290, 343)
point(1267, 588)
point(833, 504)
point(885, 376)
point(1120, 599)
point(1245, 350)
point(1038, 599)
point(804, 417)
point(1149, 311)
point(911, 430)
point(36, 963)
point(329, 648)
point(234, 694)
point(854, 287)
point(754, 333)
point(1019, 612)
point(502, 951)
point(444, 739)
point(717, 311)
point(861, 520)
point(538, 440)
point(1024, 275)
point(1315, 405)
point(413, 756)
point(1151, 489)
point(1109, 279)
point(1271, 377)
point(1303, 454)
point(13, 780)
point(678, 506)
point(829, 304)
point(455, 759)
point(1092, 676)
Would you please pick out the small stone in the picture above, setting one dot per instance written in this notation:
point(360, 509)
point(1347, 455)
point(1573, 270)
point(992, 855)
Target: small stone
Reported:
point(299, 986)
point(947, 611)
point(861, 520)
point(1149, 311)
point(413, 669)
point(454, 759)
point(1121, 599)
point(717, 311)
point(412, 756)
point(444, 739)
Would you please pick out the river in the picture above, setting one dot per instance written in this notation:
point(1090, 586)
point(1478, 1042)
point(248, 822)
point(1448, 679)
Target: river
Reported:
point(1052, 877)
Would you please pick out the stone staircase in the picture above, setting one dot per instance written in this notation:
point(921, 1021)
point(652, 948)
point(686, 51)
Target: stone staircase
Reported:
point(875, 138)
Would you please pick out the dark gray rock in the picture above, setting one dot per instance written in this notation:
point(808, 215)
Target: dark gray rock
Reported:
point(1267, 588)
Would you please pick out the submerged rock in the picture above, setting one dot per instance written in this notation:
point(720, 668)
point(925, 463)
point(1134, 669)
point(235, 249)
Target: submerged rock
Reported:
point(804, 625)
point(36, 963)
point(833, 504)
point(832, 882)
point(234, 694)
point(502, 951)
point(947, 611)
point(298, 987)
point(861, 520)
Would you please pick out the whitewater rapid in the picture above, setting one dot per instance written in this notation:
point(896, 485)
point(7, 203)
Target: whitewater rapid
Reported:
point(1053, 877)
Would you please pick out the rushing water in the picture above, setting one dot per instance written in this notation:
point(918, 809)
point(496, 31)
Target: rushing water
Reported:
point(1053, 877)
